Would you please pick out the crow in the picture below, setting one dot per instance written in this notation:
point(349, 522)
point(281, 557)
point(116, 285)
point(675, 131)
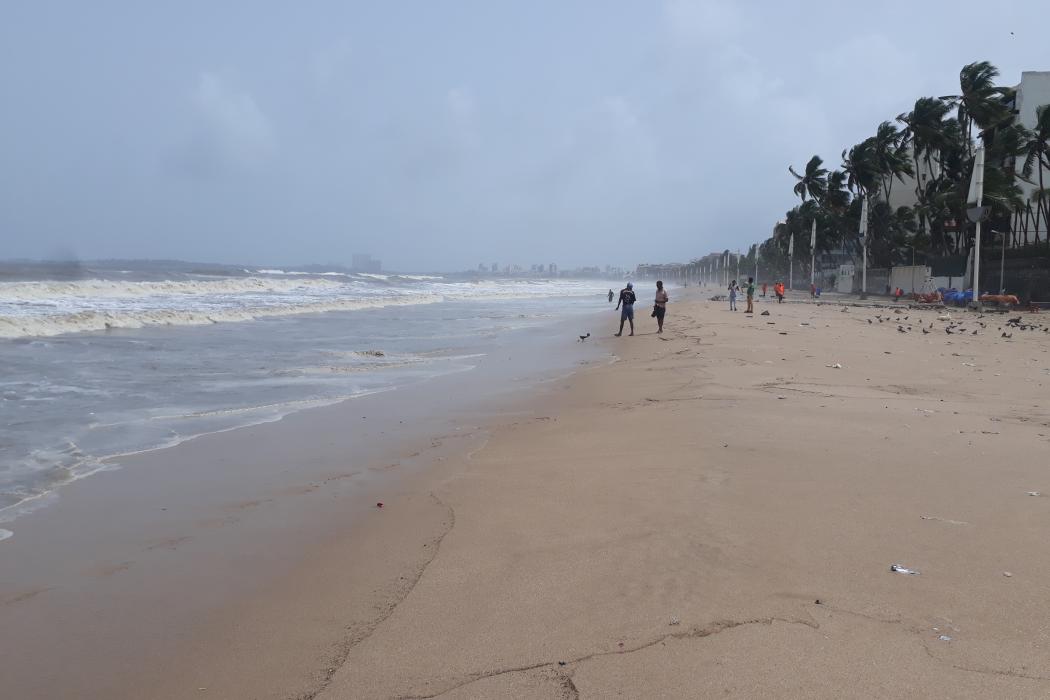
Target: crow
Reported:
point(584, 337)
point(925, 332)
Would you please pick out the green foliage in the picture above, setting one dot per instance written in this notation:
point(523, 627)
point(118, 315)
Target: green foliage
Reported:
point(932, 151)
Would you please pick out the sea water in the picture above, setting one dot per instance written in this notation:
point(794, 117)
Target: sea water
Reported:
point(103, 361)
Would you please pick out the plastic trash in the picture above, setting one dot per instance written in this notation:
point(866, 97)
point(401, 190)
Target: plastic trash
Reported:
point(834, 366)
point(1007, 574)
point(945, 638)
point(675, 621)
point(1034, 493)
point(898, 569)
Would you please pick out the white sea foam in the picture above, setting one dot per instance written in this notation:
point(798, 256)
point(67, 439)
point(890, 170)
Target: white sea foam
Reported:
point(22, 326)
point(49, 307)
point(52, 290)
point(4, 534)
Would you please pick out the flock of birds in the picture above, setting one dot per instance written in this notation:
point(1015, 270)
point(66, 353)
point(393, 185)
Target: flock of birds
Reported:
point(958, 327)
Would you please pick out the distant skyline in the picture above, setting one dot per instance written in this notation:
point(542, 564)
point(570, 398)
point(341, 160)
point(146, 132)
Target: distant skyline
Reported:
point(435, 136)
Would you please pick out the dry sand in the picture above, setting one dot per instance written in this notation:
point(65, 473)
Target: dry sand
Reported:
point(666, 527)
point(714, 513)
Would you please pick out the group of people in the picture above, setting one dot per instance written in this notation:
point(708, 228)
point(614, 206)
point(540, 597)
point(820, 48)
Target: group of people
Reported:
point(734, 290)
point(626, 302)
point(628, 298)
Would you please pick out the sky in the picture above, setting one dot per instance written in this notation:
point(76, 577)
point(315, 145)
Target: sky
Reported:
point(440, 135)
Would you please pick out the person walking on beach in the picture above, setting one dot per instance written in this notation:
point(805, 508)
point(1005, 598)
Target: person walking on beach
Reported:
point(763, 290)
point(610, 296)
point(732, 295)
point(626, 300)
point(660, 306)
point(750, 295)
point(778, 289)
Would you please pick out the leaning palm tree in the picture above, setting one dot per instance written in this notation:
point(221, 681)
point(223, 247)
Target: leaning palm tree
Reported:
point(813, 181)
point(980, 102)
point(925, 130)
point(858, 163)
point(889, 156)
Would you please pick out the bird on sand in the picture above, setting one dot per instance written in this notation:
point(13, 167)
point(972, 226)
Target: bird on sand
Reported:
point(584, 337)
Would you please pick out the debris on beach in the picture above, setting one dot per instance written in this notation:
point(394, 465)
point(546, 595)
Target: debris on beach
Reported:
point(764, 313)
point(945, 638)
point(898, 569)
point(1034, 493)
point(834, 366)
point(674, 621)
point(372, 353)
point(379, 505)
point(944, 520)
point(783, 332)
point(1007, 574)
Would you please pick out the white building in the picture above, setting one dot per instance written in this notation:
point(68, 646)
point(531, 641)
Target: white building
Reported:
point(1032, 93)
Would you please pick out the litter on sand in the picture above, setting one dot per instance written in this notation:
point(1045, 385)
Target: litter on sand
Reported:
point(675, 621)
point(945, 638)
point(1034, 493)
point(834, 366)
point(898, 569)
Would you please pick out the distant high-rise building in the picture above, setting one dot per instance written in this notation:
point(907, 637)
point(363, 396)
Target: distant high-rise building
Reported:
point(365, 263)
point(552, 269)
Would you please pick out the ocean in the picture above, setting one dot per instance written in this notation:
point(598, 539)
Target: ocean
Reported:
point(108, 359)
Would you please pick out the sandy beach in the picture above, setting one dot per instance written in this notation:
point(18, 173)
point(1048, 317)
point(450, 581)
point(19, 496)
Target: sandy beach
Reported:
point(712, 513)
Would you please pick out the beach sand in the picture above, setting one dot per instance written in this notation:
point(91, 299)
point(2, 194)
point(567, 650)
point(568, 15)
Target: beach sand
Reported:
point(713, 514)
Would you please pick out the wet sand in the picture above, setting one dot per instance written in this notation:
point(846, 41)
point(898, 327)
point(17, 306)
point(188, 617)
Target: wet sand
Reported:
point(713, 514)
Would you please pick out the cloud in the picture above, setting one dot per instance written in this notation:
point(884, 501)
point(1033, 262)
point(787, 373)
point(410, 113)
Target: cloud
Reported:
point(328, 64)
point(229, 132)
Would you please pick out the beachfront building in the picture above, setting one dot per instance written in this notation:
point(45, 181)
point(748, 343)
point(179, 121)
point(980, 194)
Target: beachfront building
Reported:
point(1031, 93)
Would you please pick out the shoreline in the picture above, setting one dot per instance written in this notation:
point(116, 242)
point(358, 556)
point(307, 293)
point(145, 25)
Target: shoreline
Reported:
point(180, 536)
point(713, 512)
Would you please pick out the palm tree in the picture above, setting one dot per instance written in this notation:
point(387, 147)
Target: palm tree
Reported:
point(889, 156)
point(925, 131)
point(813, 181)
point(858, 163)
point(980, 102)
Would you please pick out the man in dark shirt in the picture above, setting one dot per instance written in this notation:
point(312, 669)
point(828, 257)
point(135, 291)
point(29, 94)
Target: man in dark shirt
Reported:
point(627, 299)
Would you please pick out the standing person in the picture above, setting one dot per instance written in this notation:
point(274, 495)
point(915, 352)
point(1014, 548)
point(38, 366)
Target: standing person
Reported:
point(763, 290)
point(627, 299)
point(732, 295)
point(778, 289)
point(660, 306)
point(750, 295)
point(610, 296)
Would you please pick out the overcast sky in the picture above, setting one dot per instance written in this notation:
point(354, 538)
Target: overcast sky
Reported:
point(437, 135)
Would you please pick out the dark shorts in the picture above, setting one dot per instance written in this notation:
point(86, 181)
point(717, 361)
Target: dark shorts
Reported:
point(627, 312)
point(659, 312)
